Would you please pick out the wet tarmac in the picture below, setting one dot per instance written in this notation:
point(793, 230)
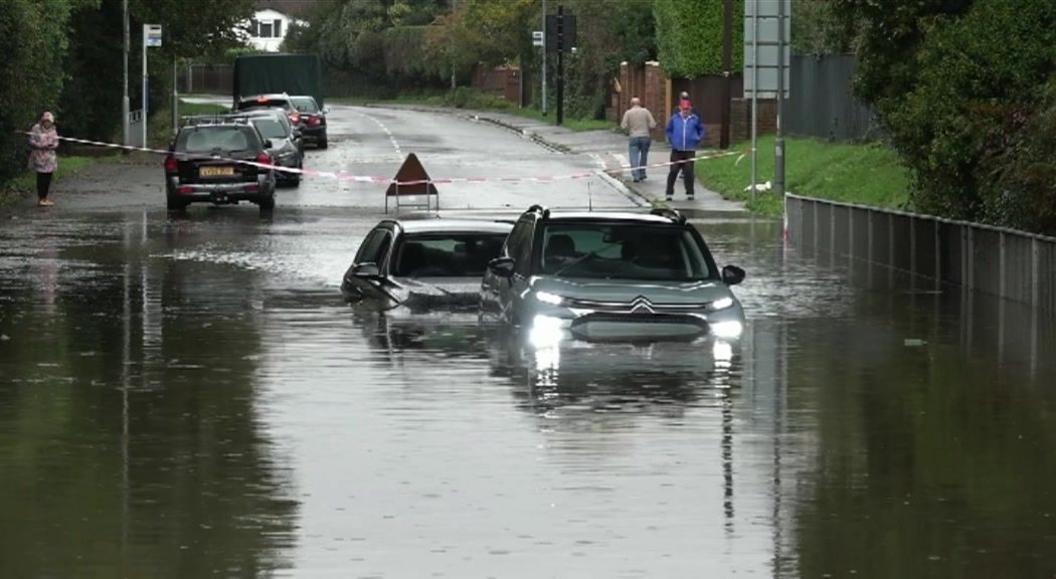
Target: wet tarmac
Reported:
point(189, 397)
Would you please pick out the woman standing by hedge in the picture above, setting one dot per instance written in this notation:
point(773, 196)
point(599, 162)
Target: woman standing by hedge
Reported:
point(44, 139)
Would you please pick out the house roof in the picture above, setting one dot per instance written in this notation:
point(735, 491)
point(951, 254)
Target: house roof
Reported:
point(295, 8)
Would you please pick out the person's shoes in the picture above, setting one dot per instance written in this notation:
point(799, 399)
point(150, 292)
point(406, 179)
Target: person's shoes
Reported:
point(45, 203)
point(669, 197)
point(689, 197)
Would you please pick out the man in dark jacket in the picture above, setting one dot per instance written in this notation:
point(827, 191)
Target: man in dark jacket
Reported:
point(684, 132)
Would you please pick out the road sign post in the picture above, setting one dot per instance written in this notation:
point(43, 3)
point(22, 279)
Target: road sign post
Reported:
point(767, 31)
point(151, 37)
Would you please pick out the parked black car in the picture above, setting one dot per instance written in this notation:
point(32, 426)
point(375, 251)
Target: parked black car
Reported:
point(287, 146)
point(203, 165)
point(424, 264)
point(313, 120)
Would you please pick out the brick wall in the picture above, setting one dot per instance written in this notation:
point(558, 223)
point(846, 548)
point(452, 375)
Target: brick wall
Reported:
point(741, 118)
point(504, 81)
point(648, 82)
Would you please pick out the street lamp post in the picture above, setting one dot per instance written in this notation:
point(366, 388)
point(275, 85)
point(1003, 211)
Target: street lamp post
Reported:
point(125, 129)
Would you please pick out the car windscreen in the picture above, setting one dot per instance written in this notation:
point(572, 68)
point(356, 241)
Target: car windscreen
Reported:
point(270, 128)
point(305, 104)
point(447, 254)
point(218, 138)
point(632, 251)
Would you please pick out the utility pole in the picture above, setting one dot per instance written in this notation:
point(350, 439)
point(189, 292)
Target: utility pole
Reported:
point(175, 99)
point(755, 89)
point(125, 129)
point(727, 64)
point(145, 108)
point(560, 64)
point(779, 140)
point(454, 8)
point(544, 56)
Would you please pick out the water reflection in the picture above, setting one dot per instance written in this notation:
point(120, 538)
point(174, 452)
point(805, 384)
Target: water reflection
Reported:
point(129, 441)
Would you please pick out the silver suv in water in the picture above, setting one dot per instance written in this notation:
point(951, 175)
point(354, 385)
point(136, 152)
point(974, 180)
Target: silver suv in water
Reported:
point(611, 276)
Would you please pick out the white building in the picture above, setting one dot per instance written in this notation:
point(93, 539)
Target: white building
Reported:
point(268, 29)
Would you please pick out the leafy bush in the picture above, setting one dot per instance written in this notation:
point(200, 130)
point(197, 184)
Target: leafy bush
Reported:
point(689, 36)
point(959, 88)
point(33, 41)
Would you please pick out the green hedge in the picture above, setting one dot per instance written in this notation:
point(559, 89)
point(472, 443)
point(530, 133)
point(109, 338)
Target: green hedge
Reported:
point(689, 36)
point(33, 41)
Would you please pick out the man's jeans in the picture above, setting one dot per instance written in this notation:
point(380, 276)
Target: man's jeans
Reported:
point(639, 155)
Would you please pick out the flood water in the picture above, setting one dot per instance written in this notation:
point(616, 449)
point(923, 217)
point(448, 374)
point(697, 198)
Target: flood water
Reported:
point(192, 397)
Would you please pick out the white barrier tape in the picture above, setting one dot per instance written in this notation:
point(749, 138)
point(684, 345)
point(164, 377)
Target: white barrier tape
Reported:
point(346, 176)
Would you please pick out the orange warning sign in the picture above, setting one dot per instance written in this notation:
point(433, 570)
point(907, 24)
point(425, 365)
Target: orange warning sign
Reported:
point(413, 171)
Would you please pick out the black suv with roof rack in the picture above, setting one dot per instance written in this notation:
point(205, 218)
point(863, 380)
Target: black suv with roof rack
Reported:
point(218, 160)
point(599, 276)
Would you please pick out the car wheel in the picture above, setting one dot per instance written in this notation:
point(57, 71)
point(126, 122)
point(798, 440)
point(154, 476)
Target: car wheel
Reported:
point(267, 201)
point(175, 204)
point(321, 143)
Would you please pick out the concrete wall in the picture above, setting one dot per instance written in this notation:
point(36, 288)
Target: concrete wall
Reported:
point(1010, 264)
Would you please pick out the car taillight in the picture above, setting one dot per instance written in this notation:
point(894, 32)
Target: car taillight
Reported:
point(314, 120)
point(295, 118)
point(185, 189)
point(171, 164)
point(264, 159)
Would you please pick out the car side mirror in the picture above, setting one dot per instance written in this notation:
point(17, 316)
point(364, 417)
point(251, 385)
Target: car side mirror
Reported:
point(732, 275)
point(268, 144)
point(326, 110)
point(501, 266)
point(367, 270)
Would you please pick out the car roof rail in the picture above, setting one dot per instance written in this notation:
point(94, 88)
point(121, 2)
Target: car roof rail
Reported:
point(545, 211)
point(670, 213)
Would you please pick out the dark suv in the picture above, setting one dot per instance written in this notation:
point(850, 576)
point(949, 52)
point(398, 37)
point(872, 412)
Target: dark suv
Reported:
point(206, 164)
point(599, 276)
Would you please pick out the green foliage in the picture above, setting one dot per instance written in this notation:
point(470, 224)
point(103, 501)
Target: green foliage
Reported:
point(689, 36)
point(959, 86)
point(869, 174)
point(33, 40)
point(91, 109)
point(817, 30)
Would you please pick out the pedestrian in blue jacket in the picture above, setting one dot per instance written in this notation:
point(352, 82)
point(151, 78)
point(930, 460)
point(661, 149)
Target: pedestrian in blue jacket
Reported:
point(684, 132)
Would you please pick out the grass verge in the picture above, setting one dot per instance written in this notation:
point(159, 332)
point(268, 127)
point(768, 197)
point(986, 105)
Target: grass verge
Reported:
point(26, 184)
point(866, 173)
point(467, 98)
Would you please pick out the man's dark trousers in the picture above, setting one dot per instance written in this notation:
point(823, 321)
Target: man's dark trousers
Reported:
point(686, 168)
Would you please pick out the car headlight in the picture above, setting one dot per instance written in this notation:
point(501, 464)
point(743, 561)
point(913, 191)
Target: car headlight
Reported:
point(546, 331)
point(721, 304)
point(727, 330)
point(549, 298)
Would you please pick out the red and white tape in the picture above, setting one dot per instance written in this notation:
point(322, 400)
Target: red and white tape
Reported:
point(348, 176)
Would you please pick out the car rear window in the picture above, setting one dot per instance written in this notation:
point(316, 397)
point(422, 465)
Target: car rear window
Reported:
point(270, 128)
point(223, 138)
point(305, 104)
point(447, 254)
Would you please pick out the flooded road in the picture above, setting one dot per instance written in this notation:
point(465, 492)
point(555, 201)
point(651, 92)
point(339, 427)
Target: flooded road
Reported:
point(191, 397)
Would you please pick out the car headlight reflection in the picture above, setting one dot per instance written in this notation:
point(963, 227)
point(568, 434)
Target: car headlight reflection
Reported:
point(546, 331)
point(721, 304)
point(727, 330)
point(549, 298)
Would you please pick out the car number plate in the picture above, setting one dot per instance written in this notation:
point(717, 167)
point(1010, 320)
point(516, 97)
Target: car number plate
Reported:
point(216, 171)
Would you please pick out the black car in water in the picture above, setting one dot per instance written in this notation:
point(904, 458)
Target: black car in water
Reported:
point(424, 264)
point(219, 161)
point(313, 120)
